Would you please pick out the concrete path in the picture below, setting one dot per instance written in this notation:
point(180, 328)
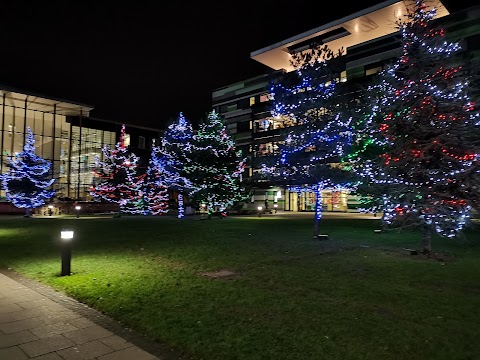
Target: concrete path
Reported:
point(39, 323)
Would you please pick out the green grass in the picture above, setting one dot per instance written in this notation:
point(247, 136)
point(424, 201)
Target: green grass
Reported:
point(358, 295)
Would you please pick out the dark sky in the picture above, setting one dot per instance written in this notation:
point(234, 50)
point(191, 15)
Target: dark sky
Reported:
point(142, 62)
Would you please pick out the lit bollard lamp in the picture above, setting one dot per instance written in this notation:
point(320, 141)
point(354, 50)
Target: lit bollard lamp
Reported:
point(66, 237)
point(77, 209)
point(259, 211)
point(275, 206)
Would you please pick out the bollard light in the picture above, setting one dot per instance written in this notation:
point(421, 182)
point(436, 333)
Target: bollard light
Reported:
point(77, 208)
point(275, 206)
point(66, 236)
point(259, 211)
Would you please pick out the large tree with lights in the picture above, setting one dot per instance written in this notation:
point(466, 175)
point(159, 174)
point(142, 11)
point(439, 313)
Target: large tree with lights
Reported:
point(117, 179)
point(322, 129)
point(28, 181)
point(174, 155)
point(427, 130)
point(216, 172)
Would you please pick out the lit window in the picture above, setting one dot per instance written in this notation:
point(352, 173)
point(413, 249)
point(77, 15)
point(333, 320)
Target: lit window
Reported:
point(252, 100)
point(372, 71)
point(154, 142)
point(126, 140)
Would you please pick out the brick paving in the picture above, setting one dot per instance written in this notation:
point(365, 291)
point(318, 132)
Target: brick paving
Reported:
point(39, 323)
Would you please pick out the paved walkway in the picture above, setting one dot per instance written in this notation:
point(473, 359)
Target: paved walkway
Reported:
point(39, 323)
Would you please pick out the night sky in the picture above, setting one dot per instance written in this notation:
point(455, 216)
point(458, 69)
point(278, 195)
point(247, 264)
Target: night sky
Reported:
point(143, 62)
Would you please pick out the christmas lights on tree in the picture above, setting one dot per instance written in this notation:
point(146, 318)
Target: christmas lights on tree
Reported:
point(155, 188)
point(117, 178)
point(27, 183)
point(174, 155)
point(321, 134)
point(216, 171)
point(427, 130)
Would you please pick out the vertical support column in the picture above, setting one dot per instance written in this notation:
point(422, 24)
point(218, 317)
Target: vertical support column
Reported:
point(3, 133)
point(25, 120)
point(79, 154)
point(54, 138)
point(43, 134)
point(69, 175)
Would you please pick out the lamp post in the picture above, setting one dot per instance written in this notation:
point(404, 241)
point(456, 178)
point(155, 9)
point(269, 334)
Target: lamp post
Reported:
point(66, 236)
point(50, 210)
point(77, 209)
point(259, 211)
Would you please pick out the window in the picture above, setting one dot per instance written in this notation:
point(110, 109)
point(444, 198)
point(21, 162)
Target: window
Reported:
point(231, 107)
point(154, 142)
point(141, 142)
point(243, 104)
point(252, 100)
point(373, 68)
point(126, 140)
point(243, 126)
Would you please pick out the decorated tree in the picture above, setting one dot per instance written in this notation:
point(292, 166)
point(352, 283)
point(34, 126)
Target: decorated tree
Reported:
point(217, 167)
point(155, 188)
point(321, 131)
point(117, 179)
point(174, 155)
point(28, 182)
point(427, 130)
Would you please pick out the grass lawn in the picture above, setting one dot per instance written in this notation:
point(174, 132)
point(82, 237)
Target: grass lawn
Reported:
point(358, 295)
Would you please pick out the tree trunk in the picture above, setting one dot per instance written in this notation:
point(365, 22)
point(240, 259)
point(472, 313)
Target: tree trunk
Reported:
point(181, 210)
point(318, 210)
point(27, 212)
point(210, 208)
point(426, 240)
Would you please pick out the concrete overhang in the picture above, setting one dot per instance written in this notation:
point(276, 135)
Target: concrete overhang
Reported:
point(36, 102)
point(371, 23)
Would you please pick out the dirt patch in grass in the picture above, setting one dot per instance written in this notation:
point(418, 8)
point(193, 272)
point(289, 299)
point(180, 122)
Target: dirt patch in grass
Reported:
point(221, 274)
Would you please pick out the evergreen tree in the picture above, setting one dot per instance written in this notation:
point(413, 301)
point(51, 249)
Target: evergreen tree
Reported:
point(427, 129)
point(155, 189)
point(175, 156)
point(117, 178)
point(321, 132)
point(27, 183)
point(217, 167)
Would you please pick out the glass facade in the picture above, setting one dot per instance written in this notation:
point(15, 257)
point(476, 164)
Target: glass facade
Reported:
point(332, 200)
point(70, 148)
